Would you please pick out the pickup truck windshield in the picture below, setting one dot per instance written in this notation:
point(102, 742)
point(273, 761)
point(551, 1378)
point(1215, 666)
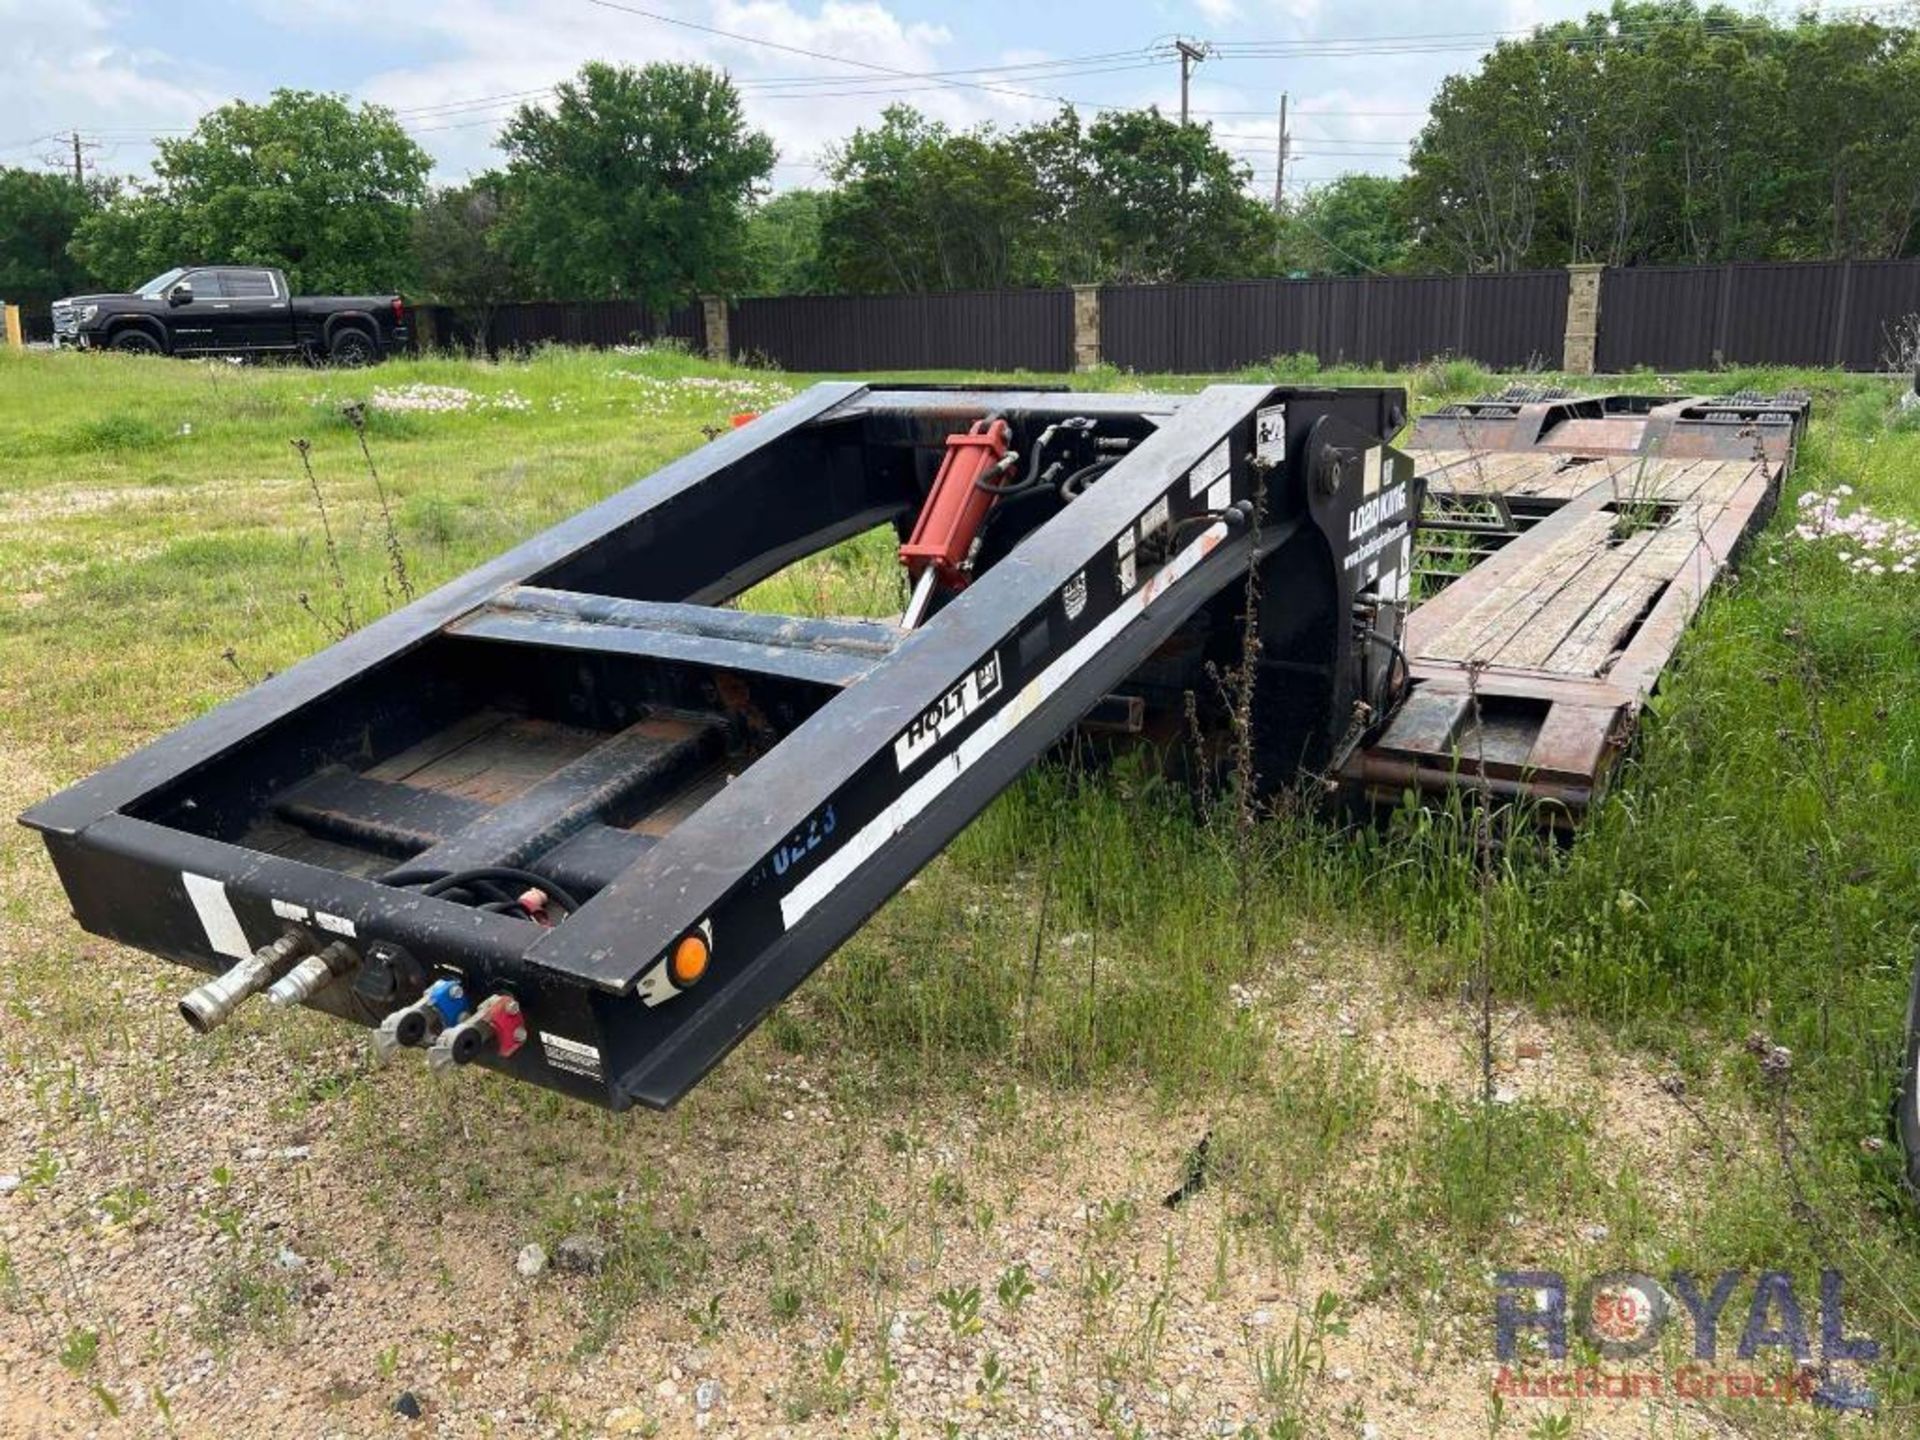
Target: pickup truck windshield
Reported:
point(155, 287)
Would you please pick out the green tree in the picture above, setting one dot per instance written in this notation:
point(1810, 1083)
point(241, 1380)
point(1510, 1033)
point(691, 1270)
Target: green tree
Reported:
point(308, 182)
point(458, 246)
point(918, 207)
point(1664, 132)
point(1477, 166)
point(1167, 203)
point(783, 244)
point(635, 184)
point(39, 213)
point(1354, 225)
point(1131, 197)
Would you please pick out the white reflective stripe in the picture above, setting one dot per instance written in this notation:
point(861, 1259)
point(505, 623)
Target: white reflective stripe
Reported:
point(861, 846)
point(215, 910)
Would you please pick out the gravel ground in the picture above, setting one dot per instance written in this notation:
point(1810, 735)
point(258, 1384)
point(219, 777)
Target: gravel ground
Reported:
point(264, 1236)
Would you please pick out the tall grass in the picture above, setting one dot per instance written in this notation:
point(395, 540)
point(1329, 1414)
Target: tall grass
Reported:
point(1753, 868)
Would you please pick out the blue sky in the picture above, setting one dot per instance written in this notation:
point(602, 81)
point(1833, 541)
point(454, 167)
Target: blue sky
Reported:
point(1359, 77)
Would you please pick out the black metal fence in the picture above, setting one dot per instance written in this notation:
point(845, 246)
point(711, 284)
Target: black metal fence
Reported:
point(964, 330)
point(1846, 313)
point(1505, 321)
point(1859, 315)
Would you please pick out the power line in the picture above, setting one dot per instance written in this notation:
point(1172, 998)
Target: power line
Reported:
point(1443, 41)
point(870, 65)
point(1067, 66)
point(1266, 141)
point(1149, 54)
point(1301, 110)
point(899, 87)
point(1343, 254)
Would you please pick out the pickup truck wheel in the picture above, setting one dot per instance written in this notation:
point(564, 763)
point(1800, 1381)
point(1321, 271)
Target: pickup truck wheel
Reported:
point(351, 347)
point(136, 342)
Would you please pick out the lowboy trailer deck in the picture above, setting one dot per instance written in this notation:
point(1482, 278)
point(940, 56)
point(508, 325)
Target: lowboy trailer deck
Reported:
point(575, 817)
point(1575, 536)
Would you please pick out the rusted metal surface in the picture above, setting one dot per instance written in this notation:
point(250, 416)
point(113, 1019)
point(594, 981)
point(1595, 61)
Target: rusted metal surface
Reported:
point(1529, 670)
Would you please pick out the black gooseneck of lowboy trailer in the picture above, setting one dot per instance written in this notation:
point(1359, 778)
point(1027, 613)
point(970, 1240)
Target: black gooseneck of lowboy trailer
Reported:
point(574, 817)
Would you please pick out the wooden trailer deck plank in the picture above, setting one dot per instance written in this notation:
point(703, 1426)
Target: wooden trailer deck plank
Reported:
point(1560, 606)
point(1533, 638)
point(1557, 636)
point(1492, 619)
point(1588, 646)
point(1549, 476)
point(492, 757)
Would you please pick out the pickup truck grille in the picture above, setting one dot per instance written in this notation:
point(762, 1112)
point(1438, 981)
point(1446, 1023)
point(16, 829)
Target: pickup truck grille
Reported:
point(64, 322)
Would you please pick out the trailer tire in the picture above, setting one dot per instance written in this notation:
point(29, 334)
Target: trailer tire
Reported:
point(1907, 1105)
point(352, 347)
point(135, 340)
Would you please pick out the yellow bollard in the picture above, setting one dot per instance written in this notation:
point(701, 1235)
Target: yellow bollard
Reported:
point(15, 340)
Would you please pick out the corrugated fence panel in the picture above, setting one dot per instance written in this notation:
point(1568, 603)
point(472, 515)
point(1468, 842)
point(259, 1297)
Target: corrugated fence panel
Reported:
point(1507, 321)
point(1815, 312)
point(1883, 315)
point(36, 316)
point(1515, 322)
point(1783, 314)
point(971, 330)
point(1664, 316)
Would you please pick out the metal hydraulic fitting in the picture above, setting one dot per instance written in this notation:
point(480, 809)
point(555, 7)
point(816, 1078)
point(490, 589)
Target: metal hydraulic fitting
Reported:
point(443, 1004)
point(497, 1025)
point(209, 1006)
point(312, 975)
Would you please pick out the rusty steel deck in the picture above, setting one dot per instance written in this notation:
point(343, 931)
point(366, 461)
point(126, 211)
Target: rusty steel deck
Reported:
point(1570, 540)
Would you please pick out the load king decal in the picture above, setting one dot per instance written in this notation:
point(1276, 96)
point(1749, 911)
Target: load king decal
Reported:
point(948, 713)
point(1380, 531)
point(1369, 515)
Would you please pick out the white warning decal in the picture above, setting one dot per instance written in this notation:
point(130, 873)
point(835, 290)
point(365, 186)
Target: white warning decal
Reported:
point(1270, 434)
point(1155, 520)
point(1073, 599)
point(949, 712)
point(1127, 572)
point(866, 842)
point(574, 1056)
point(210, 903)
point(1212, 467)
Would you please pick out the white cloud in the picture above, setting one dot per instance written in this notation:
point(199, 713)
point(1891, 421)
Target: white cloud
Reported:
point(498, 47)
point(70, 63)
point(68, 69)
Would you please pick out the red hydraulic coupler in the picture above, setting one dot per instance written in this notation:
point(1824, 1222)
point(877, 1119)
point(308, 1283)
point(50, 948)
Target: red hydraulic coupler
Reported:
point(496, 1024)
point(950, 521)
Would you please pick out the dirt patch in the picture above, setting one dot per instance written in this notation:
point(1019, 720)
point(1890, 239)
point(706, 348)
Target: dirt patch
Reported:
point(263, 1236)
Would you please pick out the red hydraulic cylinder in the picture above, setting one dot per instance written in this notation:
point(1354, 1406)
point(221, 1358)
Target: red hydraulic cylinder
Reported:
point(958, 502)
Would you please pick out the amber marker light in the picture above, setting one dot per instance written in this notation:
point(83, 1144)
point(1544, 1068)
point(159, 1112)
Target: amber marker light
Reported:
point(689, 962)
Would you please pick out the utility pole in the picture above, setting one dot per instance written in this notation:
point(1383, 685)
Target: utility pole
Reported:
point(1280, 161)
point(1190, 55)
point(77, 147)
